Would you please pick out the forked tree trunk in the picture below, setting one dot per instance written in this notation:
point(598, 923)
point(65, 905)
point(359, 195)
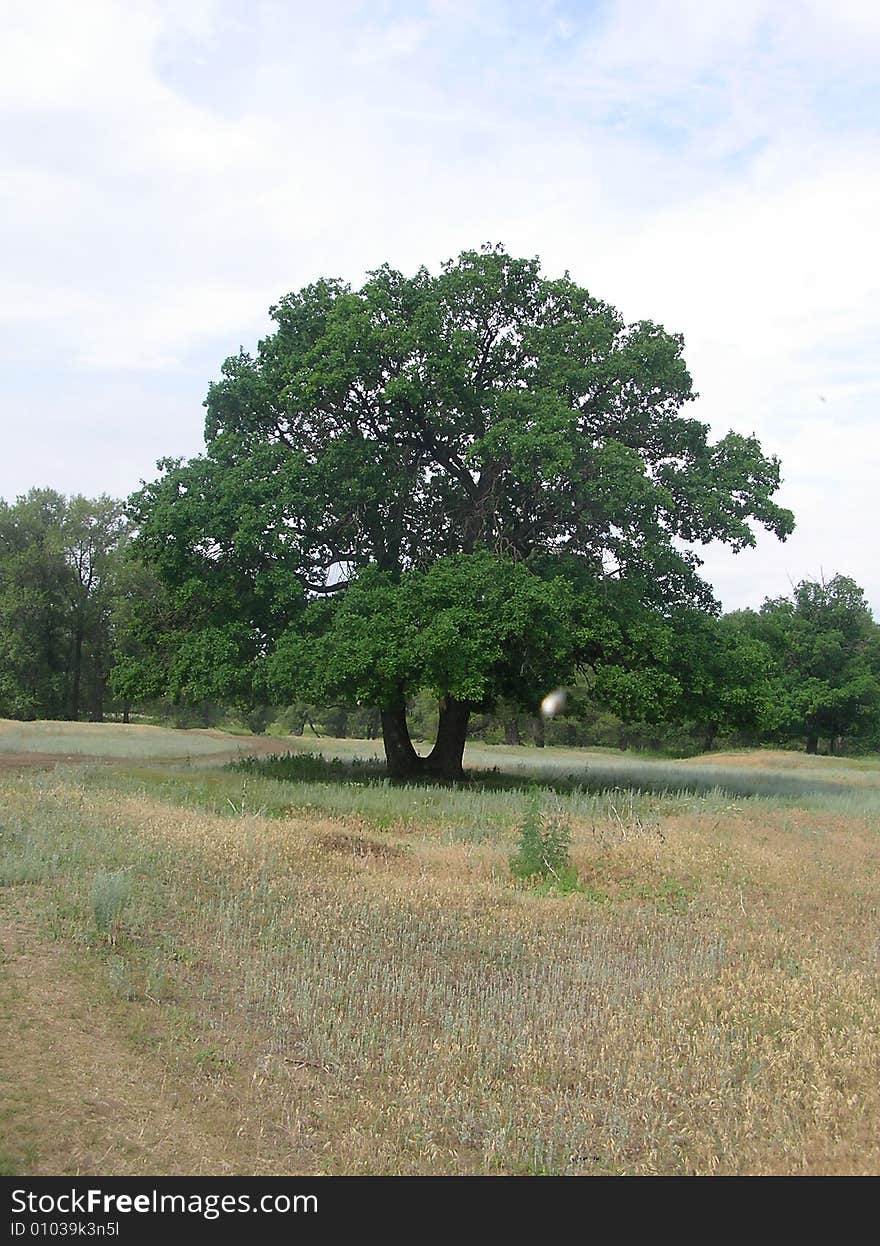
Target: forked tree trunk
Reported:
point(403, 760)
point(445, 758)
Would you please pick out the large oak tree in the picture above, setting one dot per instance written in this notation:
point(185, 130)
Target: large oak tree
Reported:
point(470, 482)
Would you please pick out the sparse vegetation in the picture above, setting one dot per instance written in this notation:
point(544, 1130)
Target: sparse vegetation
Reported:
point(543, 852)
point(336, 975)
point(110, 894)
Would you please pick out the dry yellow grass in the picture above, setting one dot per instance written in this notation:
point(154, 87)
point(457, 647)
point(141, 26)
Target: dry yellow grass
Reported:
point(350, 1000)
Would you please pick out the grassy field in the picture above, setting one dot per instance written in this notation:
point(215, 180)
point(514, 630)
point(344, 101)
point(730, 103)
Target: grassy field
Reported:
point(292, 966)
point(115, 741)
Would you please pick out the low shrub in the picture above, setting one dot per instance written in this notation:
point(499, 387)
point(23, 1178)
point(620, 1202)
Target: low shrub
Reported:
point(542, 856)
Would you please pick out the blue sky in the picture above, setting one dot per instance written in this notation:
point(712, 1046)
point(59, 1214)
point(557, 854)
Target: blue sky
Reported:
point(170, 169)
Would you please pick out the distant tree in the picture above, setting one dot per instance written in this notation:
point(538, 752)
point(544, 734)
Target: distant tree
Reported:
point(724, 676)
point(34, 633)
point(92, 535)
point(58, 563)
point(826, 647)
point(442, 482)
point(168, 647)
point(139, 611)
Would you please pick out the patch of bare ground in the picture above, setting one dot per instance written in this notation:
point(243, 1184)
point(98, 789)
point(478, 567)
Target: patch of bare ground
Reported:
point(358, 846)
point(79, 1098)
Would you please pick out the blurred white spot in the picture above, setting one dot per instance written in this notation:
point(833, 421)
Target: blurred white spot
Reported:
point(554, 702)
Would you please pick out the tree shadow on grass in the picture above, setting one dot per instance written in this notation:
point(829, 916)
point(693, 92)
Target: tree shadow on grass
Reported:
point(653, 778)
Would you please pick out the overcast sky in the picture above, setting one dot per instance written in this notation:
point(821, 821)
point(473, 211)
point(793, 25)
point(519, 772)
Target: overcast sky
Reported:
point(170, 169)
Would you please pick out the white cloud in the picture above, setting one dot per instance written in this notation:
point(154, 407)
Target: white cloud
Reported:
point(171, 170)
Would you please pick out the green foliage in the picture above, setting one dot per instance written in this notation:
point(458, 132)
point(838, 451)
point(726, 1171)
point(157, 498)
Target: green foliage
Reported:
point(59, 565)
point(34, 615)
point(473, 483)
point(309, 768)
point(542, 855)
point(472, 626)
point(826, 652)
point(259, 718)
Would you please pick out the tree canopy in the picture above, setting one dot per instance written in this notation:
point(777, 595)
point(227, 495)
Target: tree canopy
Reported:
point(59, 562)
point(472, 482)
point(826, 648)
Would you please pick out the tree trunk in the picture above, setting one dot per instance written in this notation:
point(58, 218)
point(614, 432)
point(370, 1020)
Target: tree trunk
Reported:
point(812, 742)
point(126, 716)
point(98, 699)
point(77, 673)
point(403, 760)
point(511, 730)
point(709, 733)
point(537, 726)
point(445, 758)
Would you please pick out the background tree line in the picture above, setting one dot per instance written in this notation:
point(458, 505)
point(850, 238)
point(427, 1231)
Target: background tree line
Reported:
point(82, 618)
